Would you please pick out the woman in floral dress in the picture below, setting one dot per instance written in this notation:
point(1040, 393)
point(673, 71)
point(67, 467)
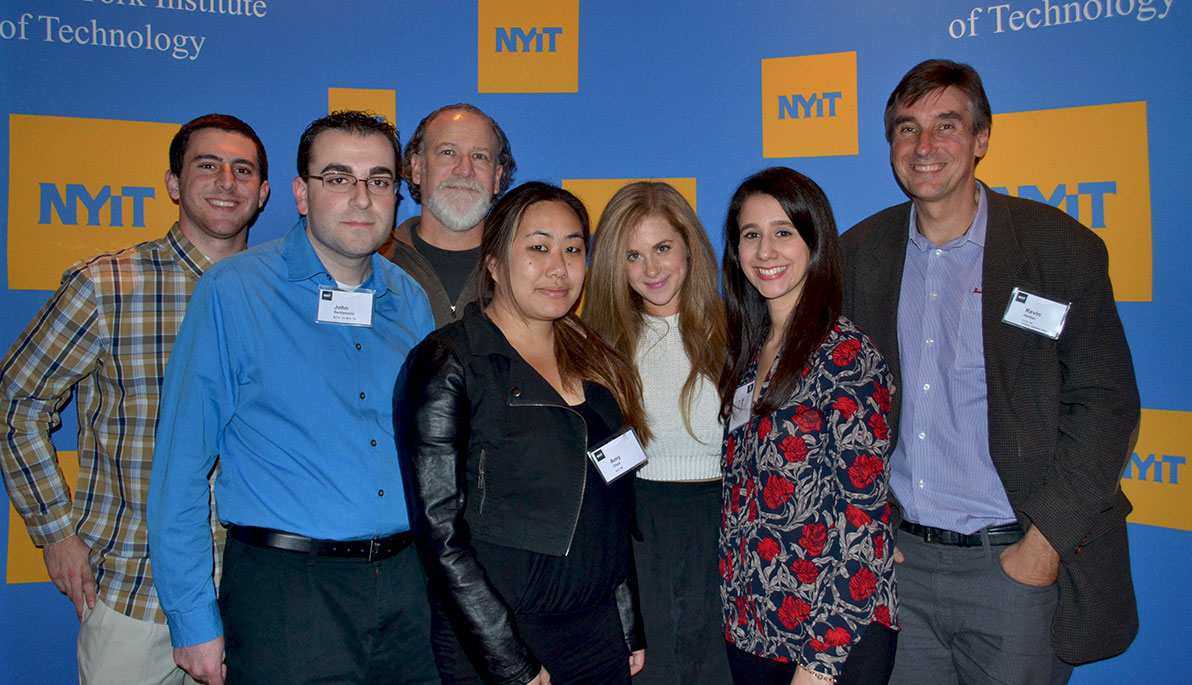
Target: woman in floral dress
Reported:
point(806, 554)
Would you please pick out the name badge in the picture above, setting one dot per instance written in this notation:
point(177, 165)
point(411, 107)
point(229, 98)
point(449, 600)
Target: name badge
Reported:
point(1036, 313)
point(618, 455)
point(345, 308)
point(742, 406)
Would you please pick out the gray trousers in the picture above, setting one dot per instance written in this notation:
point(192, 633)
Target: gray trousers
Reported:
point(965, 621)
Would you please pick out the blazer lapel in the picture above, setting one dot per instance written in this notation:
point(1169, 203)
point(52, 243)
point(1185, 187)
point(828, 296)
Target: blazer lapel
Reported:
point(1003, 269)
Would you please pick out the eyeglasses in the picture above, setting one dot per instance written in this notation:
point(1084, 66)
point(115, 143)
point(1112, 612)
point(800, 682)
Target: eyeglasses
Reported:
point(339, 182)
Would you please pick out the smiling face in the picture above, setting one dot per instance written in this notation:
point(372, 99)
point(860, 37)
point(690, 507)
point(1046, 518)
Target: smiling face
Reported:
point(219, 190)
point(656, 265)
point(545, 271)
point(773, 255)
point(456, 169)
point(346, 228)
point(934, 151)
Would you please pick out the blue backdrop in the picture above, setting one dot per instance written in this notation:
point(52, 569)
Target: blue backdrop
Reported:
point(662, 90)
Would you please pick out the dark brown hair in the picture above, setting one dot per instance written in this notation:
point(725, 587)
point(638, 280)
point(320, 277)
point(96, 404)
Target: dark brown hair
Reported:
point(936, 74)
point(222, 122)
point(351, 121)
point(818, 307)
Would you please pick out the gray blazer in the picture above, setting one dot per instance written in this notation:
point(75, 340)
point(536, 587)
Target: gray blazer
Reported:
point(1061, 412)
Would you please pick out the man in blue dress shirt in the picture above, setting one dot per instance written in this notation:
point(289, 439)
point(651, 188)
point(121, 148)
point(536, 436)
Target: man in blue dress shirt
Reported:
point(284, 369)
point(1010, 436)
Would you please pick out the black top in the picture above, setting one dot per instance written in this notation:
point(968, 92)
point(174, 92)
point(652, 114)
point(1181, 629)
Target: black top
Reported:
point(453, 267)
point(597, 562)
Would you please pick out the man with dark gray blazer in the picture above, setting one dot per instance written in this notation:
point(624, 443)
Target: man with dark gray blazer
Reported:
point(1014, 407)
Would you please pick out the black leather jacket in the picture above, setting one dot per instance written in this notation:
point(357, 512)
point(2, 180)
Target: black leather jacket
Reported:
point(492, 454)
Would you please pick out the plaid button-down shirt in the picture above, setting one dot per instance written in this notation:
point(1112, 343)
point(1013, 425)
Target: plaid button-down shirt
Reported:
point(106, 334)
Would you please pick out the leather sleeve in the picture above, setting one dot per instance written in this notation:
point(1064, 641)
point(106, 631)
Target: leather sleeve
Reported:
point(432, 412)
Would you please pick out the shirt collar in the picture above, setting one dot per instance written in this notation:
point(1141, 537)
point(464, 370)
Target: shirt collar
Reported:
point(187, 254)
point(303, 263)
point(975, 234)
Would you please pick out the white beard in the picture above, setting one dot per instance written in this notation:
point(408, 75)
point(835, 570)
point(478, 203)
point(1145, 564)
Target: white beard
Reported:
point(451, 214)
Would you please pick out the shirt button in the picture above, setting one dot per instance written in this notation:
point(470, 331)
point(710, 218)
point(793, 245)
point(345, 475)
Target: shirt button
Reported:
point(921, 483)
point(361, 395)
point(380, 493)
point(373, 443)
point(922, 435)
point(934, 294)
point(931, 341)
point(938, 252)
point(926, 387)
point(357, 345)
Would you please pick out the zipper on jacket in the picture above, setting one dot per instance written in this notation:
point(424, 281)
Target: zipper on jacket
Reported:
point(584, 478)
point(480, 483)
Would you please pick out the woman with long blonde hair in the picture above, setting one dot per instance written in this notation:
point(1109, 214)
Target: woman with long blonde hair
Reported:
point(653, 296)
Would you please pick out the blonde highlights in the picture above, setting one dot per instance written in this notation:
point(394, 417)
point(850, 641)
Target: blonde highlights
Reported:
point(614, 310)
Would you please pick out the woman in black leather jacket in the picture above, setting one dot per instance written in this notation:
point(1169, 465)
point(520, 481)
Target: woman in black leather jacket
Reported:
point(526, 547)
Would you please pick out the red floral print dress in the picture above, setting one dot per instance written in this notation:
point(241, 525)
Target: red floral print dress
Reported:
point(806, 555)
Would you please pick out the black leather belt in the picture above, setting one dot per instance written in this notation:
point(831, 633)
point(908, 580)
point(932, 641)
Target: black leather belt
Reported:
point(998, 535)
point(375, 549)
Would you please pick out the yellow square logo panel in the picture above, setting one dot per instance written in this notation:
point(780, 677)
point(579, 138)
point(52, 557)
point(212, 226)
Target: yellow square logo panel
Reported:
point(527, 46)
point(25, 562)
point(79, 187)
point(378, 101)
point(1157, 479)
point(809, 105)
point(1091, 162)
point(596, 192)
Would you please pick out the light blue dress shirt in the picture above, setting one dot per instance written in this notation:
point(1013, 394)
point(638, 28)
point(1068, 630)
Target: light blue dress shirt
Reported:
point(941, 471)
point(298, 412)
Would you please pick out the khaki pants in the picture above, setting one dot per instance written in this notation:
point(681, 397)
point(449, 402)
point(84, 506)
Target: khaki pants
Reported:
point(118, 650)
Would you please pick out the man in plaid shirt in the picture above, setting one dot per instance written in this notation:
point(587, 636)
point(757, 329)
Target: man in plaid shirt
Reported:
point(106, 335)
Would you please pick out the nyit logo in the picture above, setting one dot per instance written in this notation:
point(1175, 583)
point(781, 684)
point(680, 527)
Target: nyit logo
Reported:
point(1071, 202)
point(1046, 156)
point(809, 105)
point(78, 187)
point(1155, 478)
point(509, 39)
point(528, 46)
point(65, 205)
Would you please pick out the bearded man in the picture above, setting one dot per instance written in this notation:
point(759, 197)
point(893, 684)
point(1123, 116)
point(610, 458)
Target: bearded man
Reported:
point(456, 163)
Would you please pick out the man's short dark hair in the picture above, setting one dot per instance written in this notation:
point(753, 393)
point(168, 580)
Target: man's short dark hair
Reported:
point(936, 74)
point(223, 122)
point(354, 122)
point(417, 145)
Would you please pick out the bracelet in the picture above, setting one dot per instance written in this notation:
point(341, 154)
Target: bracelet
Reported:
point(819, 676)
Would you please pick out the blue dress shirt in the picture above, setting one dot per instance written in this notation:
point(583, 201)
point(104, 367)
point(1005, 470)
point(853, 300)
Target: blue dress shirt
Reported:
point(298, 412)
point(941, 471)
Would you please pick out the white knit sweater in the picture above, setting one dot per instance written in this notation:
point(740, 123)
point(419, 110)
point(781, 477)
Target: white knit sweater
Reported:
point(675, 455)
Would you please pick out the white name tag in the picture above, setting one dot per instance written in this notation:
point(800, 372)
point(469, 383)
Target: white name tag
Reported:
point(618, 455)
point(1036, 313)
point(345, 308)
point(742, 406)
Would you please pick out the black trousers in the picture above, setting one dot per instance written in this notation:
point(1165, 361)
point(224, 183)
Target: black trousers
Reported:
point(296, 618)
point(869, 662)
point(679, 584)
point(584, 647)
